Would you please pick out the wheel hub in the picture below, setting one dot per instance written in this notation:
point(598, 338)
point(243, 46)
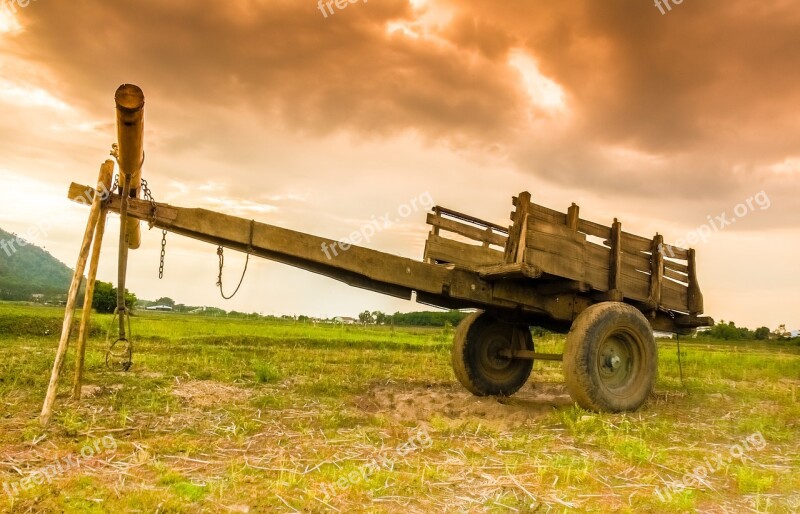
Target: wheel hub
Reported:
point(615, 361)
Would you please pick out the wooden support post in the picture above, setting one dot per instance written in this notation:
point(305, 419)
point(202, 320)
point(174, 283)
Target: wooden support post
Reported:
point(130, 137)
point(86, 313)
point(656, 271)
point(572, 217)
point(695, 297)
point(515, 245)
point(615, 263)
point(106, 171)
point(437, 211)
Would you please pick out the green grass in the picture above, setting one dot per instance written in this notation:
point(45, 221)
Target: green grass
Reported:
point(224, 415)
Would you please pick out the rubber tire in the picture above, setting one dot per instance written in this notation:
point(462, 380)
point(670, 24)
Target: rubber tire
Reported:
point(592, 332)
point(472, 334)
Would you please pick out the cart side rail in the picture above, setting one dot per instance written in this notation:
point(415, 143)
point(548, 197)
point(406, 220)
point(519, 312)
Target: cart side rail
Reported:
point(607, 259)
point(491, 239)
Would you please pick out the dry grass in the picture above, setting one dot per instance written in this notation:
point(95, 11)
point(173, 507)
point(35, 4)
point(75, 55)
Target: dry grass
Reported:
point(270, 419)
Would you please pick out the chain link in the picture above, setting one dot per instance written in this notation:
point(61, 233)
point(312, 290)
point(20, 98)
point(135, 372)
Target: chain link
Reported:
point(148, 195)
point(163, 253)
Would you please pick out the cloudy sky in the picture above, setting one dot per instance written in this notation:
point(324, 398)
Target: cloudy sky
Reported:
point(318, 122)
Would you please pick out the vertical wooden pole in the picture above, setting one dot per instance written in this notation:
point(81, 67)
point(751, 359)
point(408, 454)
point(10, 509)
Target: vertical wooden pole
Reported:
point(656, 270)
point(572, 217)
point(129, 100)
point(130, 137)
point(695, 297)
point(106, 171)
point(519, 225)
point(86, 313)
point(615, 263)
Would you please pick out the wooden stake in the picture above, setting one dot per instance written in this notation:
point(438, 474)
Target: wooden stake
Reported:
point(106, 171)
point(86, 313)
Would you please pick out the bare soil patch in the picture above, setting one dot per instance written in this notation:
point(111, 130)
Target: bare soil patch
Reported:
point(207, 393)
point(419, 405)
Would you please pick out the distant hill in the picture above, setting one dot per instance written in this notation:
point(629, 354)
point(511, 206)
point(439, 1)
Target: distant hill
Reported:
point(29, 270)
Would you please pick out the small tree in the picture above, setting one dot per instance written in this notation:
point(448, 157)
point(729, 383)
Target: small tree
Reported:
point(104, 299)
point(365, 317)
point(762, 333)
point(166, 301)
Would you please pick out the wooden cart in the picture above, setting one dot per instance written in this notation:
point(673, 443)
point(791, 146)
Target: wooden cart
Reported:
point(609, 289)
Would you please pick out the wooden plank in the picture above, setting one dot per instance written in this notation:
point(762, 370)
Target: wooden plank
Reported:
point(632, 243)
point(594, 229)
point(462, 254)
point(675, 252)
point(670, 273)
point(506, 271)
point(519, 219)
point(597, 256)
point(523, 240)
point(636, 260)
point(556, 265)
point(556, 230)
point(472, 232)
point(572, 217)
point(615, 259)
point(656, 270)
point(677, 266)
point(472, 219)
point(564, 267)
point(548, 215)
point(567, 248)
point(635, 285)
point(674, 296)
point(543, 213)
point(695, 297)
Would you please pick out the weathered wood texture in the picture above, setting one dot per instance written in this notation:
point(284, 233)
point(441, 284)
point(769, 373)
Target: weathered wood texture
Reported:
point(542, 243)
point(624, 266)
point(467, 276)
point(491, 240)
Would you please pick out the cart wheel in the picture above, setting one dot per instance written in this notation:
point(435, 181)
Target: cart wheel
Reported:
point(610, 358)
point(476, 361)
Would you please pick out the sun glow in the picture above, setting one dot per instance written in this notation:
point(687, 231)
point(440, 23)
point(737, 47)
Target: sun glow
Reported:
point(545, 93)
point(8, 22)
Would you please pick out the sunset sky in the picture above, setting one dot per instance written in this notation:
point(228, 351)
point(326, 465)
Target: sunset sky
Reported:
point(319, 122)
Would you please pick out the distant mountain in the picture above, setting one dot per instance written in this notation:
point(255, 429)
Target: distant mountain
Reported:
point(28, 270)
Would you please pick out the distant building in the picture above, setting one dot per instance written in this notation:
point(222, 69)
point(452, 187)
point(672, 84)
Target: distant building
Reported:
point(794, 333)
point(158, 308)
point(344, 320)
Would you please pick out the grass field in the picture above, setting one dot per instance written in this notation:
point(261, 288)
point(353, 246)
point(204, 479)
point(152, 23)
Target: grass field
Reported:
point(221, 415)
